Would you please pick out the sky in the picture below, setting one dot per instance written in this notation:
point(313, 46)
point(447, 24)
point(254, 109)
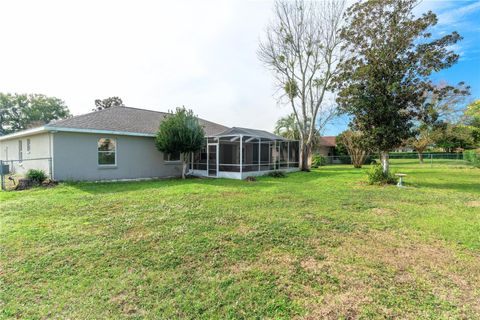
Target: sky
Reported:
point(160, 55)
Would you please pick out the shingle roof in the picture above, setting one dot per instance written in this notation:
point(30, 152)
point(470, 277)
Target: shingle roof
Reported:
point(125, 119)
point(328, 141)
point(235, 131)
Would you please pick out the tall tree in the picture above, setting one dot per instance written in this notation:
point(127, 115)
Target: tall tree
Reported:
point(180, 133)
point(22, 111)
point(302, 48)
point(101, 104)
point(382, 83)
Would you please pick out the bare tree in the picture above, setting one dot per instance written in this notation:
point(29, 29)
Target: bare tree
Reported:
point(302, 48)
point(352, 140)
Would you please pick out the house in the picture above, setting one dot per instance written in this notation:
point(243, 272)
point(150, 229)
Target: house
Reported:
point(119, 143)
point(326, 146)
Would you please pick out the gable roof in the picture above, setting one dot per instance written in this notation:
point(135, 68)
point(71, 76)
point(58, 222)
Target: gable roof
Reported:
point(328, 141)
point(125, 120)
point(237, 131)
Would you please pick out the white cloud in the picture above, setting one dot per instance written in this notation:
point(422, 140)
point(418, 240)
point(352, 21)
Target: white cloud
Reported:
point(452, 17)
point(157, 55)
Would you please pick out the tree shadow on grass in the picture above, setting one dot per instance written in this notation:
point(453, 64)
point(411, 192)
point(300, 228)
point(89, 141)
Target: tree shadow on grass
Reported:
point(453, 186)
point(192, 184)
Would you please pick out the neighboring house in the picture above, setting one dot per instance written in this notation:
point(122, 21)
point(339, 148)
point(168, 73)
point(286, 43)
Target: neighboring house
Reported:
point(119, 143)
point(326, 146)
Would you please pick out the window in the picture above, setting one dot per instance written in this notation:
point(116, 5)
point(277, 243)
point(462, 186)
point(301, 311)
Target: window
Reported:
point(20, 150)
point(171, 156)
point(107, 152)
point(28, 145)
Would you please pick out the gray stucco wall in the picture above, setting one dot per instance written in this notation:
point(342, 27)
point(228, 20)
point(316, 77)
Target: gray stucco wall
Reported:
point(76, 158)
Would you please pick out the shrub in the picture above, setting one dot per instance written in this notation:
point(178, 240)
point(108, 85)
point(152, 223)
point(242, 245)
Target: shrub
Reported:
point(318, 161)
point(277, 174)
point(472, 156)
point(37, 176)
point(376, 176)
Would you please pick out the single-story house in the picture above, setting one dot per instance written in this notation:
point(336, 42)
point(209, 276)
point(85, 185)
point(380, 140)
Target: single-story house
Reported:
point(326, 146)
point(119, 143)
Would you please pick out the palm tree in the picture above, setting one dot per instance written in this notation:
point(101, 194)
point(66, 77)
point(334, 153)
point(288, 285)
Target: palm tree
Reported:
point(287, 127)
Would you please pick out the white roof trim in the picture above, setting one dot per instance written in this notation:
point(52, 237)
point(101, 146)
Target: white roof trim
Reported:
point(120, 133)
point(47, 128)
point(23, 133)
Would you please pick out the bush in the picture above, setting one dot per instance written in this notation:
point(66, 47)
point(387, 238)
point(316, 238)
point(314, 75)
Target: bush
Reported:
point(277, 174)
point(318, 161)
point(376, 176)
point(472, 156)
point(37, 176)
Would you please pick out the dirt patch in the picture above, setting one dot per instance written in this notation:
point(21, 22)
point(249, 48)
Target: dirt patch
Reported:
point(474, 204)
point(368, 263)
point(383, 211)
point(269, 261)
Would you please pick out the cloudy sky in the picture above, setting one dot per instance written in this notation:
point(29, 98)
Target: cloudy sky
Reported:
point(162, 54)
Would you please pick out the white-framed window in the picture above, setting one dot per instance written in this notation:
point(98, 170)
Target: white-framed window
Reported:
point(28, 146)
point(107, 152)
point(171, 157)
point(20, 150)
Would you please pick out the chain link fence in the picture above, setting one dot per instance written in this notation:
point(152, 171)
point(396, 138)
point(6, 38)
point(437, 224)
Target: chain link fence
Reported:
point(407, 159)
point(12, 170)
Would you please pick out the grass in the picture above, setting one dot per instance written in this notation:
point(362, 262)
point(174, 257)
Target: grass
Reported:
point(313, 245)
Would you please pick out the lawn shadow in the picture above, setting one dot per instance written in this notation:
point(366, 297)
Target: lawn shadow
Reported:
point(461, 187)
point(262, 183)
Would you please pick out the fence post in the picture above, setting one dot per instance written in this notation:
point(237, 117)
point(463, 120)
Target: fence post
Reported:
point(431, 160)
point(2, 176)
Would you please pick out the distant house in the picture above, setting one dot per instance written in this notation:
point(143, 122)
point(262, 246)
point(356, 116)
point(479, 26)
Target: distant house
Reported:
point(119, 143)
point(327, 145)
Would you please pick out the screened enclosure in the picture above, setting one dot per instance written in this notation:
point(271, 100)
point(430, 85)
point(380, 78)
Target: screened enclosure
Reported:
point(239, 152)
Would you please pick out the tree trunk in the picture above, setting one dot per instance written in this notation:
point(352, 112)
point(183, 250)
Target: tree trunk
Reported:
point(305, 153)
point(420, 157)
point(186, 157)
point(384, 160)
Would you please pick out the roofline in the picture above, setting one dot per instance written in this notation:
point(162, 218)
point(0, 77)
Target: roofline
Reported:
point(120, 133)
point(47, 128)
point(248, 135)
point(23, 133)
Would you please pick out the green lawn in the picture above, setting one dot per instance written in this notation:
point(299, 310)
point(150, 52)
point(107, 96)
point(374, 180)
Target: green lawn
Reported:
point(312, 245)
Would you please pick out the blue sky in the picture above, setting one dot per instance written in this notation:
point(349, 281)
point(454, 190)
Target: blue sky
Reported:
point(166, 54)
point(460, 16)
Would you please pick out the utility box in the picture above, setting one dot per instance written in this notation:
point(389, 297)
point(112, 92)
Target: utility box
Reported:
point(4, 169)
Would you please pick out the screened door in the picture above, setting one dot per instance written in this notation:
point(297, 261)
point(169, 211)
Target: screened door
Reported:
point(212, 159)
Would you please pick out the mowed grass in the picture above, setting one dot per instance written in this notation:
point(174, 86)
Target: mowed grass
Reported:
point(313, 245)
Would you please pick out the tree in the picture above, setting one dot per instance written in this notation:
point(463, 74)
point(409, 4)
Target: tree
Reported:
point(421, 141)
point(181, 133)
point(472, 114)
point(382, 83)
point(101, 104)
point(287, 127)
point(451, 137)
point(472, 119)
point(302, 48)
point(23, 111)
point(353, 142)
